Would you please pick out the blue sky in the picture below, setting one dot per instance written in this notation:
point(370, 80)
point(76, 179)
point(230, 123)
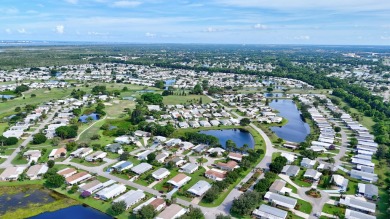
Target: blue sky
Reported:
point(360, 22)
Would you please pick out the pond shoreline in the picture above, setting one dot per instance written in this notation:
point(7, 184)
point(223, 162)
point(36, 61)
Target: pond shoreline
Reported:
point(32, 209)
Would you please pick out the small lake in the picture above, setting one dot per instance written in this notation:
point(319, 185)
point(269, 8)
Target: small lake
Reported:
point(74, 212)
point(145, 91)
point(295, 130)
point(274, 95)
point(239, 137)
point(12, 202)
point(7, 96)
point(169, 83)
point(84, 118)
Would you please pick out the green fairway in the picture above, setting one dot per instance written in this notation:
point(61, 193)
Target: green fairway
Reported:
point(174, 99)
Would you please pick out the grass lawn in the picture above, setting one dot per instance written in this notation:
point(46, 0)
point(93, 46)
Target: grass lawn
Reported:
point(174, 99)
point(383, 204)
point(116, 110)
point(332, 209)
point(352, 188)
point(195, 177)
point(305, 206)
point(275, 155)
point(86, 163)
point(297, 180)
point(160, 186)
point(42, 95)
point(19, 160)
point(85, 137)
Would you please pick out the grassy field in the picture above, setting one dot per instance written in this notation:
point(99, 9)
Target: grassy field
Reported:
point(41, 96)
point(305, 206)
point(173, 99)
point(332, 209)
point(297, 180)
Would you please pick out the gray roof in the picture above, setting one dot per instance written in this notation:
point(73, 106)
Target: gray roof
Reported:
point(189, 166)
point(358, 204)
point(368, 189)
point(282, 198)
point(357, 215)
point(160, 171)
point(273, 211)
point(311, 172)
point(200, 187)
point(290, 169)
point(141, 168)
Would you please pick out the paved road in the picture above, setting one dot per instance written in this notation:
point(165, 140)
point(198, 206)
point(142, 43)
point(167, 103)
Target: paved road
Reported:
point(50, 116)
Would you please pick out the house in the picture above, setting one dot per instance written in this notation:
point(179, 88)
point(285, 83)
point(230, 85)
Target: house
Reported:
point(279, 186)
point(96, 156)
point(157, 203)
point(32, 155)
point(11, 173)
point(159, 139)
point(369, 191)
point(229, 166)
point(199, 148)
point(215, 174)
point(364, 176)
point(179, 180)
point(340, 182)
point(189, 168)
point(123, 140)
point(214, 122)
point(57, 153)
point(114, 148)
point(67, 172)
point(280, 200)
point(91, 187)
point(141, 168)
point(199, 188)
point(351, 214)
point(78, 177)
point(185, 145)
point(154, 107)
point(268, 212)
point(235, 156)
point(172, 142)
point(140, 133)
point(358, 204)
point(204, 123)
point(178, 161)
point(81, 152)
point(160, 173)
point(290, 170)
point(172, 212)
point(312, 174)
point(36, 171)
point(143, 155)
point(131, 197)
point(122, 165)
point(161, 157)
point(218, 151)
point(290, 157)
point(306, 162)
point(13, 133)
point(183, 125)
point(110, 192)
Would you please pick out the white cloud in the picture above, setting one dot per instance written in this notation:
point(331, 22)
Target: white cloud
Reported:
point(260, 26)
point(126, 4)
point(60, 29)
point(72, 1)
point(334, 5)
point(150, 35)
point(304, 37)
point(212, 29)
point(22, 30)
point(7, 30)
point(9, 10)
point(97, 33)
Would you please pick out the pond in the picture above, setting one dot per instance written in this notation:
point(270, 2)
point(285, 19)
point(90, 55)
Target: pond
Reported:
point(240, 137)
point(295, 130)
point(22, 199)
point(274, 95)
point(7, 97)
point(74, 212)
point(169, 83)
point(145, 91)
point(93, 116)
